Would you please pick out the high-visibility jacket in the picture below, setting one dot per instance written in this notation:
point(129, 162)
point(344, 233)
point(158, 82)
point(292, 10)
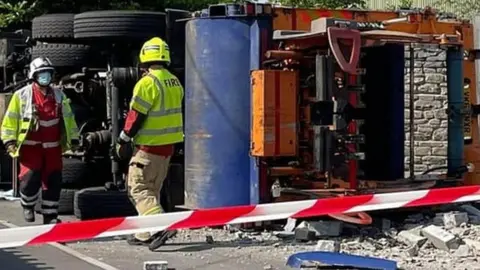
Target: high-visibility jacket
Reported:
point(18, 119)
point(159, 95)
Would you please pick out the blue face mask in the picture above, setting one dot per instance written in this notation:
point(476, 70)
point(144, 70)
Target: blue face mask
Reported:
point(44, 78)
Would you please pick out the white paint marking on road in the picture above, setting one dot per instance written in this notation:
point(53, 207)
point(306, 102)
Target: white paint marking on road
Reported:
point(71, 251)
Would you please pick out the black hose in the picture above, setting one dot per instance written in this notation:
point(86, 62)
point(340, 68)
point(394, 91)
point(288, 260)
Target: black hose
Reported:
point(115, 132)
point(434, 169)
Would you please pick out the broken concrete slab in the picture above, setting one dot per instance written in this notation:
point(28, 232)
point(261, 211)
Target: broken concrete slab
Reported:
point(232, 228)
point(304, 234)
point(325, 228)
point(290, 225)
point(440, 238)
point(392, 232)
point(411, 238)
point(412, 250)
point(455, 219)
point(462, 251)
point(328, 246)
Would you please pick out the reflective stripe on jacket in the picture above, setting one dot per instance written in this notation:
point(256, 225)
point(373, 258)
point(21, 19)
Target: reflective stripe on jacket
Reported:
point(159, 96)
point(18, 118)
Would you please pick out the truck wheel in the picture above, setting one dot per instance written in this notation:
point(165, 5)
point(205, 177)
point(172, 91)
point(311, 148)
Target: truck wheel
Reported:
point(74, 172)
point(119, 24)
point(53, 27)
point(63, 55)
point(65, 205)
point(96, 203)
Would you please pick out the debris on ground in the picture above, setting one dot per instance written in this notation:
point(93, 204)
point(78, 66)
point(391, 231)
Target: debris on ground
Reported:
point(427, 240)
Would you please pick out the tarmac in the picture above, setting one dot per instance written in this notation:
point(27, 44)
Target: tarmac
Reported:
point(115, 254)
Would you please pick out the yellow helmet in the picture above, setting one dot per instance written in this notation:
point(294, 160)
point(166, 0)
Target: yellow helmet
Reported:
point(155, 50)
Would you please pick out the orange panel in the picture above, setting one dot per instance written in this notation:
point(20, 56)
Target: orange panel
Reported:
point(300, 18)
point(274, 113)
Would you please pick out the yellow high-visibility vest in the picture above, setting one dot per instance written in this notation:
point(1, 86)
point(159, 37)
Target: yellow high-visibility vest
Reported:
point(159, 96)
point(18, 119)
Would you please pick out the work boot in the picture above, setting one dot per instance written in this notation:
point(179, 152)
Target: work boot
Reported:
point(133, 241)
point(29, 215)
point(160, 238)
point(47, 219)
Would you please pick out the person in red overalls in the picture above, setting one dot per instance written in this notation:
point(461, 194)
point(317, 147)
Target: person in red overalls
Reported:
point(38, 122)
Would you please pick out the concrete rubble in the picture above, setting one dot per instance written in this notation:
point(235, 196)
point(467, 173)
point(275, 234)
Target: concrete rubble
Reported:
point(431, 239)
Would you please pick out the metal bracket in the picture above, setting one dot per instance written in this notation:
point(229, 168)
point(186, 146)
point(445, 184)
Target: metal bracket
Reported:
point(475, 109)
point(334, 34)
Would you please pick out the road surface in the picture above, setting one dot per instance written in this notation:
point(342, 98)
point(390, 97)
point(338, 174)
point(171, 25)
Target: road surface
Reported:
point(189, 251)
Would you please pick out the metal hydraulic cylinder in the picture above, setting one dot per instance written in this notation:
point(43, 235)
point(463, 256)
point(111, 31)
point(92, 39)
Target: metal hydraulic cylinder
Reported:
point(455, 155)
point(322, 143)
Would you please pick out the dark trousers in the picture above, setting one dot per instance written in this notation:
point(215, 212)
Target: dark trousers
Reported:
point(40, 173)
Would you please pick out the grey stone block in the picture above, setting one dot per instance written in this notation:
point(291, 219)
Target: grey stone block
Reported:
point(328, 246)
point(455, 219)
point(440, 238)
point(325, 228)
point(412, 250)
point(411, 238)
point(304, 234)
point(463, 251)
point(290, 225)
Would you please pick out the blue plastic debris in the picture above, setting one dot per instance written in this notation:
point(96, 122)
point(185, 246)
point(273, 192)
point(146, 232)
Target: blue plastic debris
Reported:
point(340, 259)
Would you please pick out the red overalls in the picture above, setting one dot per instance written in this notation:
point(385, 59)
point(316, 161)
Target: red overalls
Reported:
point(41, 154)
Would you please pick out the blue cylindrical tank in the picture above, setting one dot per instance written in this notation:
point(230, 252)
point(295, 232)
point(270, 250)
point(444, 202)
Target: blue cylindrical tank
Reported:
point(217, 112)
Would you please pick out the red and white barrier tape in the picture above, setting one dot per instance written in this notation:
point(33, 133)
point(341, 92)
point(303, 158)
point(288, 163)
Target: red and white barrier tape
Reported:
point(82, 230)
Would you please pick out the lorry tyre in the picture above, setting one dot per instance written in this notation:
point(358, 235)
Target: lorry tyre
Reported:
point(97, 202)
point(63, 55)
point(53, 27)
point(65, 204)
point(74, 173)
point(114, 24)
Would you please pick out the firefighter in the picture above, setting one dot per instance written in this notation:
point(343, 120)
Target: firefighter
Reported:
point(154, 124)
point(38, 126)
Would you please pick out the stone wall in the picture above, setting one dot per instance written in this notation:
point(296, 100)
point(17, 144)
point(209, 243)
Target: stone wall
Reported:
point(430, 101)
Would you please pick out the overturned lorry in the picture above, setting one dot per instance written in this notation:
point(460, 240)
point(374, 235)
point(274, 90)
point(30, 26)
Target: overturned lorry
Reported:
point(279, 103)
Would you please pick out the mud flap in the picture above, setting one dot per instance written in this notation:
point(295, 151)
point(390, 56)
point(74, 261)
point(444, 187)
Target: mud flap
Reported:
point(336, 34)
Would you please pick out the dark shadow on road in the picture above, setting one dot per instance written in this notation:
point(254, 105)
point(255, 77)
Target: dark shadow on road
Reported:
point(16, 259)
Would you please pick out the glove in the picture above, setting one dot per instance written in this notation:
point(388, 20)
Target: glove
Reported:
point(11, 148)
point(123, 151)
point(123, 147)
